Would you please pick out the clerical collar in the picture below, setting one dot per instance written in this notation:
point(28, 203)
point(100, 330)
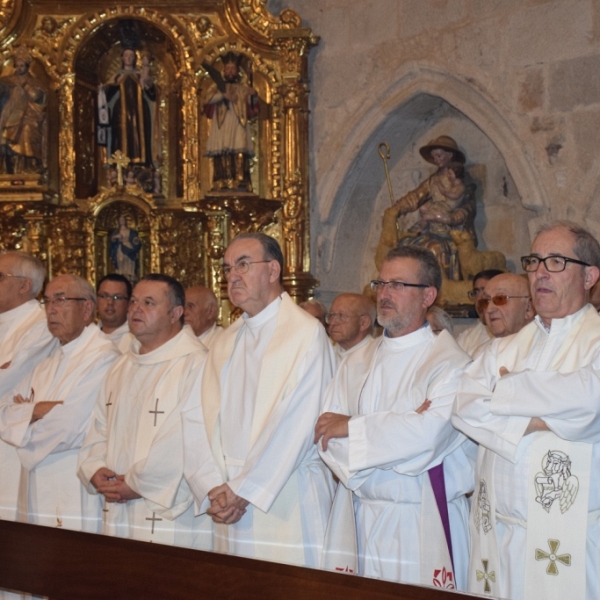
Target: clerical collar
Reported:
point(264, 315)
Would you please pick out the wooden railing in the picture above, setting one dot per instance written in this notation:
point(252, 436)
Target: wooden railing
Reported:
point(69, 565)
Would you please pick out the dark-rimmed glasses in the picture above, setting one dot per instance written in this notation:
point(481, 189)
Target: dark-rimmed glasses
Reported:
point(475, 292)
point(395, 286)
point(498, 300)
point(553, 264)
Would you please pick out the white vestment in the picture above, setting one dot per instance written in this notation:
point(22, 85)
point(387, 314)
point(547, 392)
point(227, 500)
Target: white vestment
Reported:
point(261, 395)
point(24, 342)
point(390, 448)
point(136, 432)
point(473, 337)
point(49, 491)
point(210, 335)
point(340, 353)
point(554, 375)
point(121, 337)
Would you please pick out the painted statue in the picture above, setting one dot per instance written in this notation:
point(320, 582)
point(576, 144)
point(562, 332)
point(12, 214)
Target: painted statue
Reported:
point(444, 202)
point(23, 127)
point(231, 105)
point(128, 112)
point(124, 250)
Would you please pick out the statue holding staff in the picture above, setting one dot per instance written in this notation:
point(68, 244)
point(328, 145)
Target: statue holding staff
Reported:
point(445, 201)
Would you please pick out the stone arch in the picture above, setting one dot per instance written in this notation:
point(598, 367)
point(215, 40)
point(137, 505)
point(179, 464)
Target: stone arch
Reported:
point(355, 194)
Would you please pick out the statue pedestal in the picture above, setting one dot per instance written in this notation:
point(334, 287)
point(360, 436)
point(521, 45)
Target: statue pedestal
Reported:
point(22, 187)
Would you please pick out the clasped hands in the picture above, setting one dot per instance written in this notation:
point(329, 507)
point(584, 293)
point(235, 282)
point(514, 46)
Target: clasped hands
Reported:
point(113, 486)
point(225, 506)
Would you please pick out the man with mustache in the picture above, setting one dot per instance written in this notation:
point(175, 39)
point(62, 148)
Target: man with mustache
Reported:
point(387, 435)
point(531, 400)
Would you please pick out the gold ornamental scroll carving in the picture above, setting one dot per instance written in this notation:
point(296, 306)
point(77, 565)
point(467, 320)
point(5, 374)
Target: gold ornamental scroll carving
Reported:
point(170, 61)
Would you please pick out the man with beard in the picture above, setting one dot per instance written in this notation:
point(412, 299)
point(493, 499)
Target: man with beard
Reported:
point(387, 435)
point(231, 105)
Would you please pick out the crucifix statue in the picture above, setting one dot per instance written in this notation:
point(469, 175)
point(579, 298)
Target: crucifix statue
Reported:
point(120, 161)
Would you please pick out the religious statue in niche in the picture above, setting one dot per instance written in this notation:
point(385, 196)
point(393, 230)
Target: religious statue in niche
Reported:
point(128, 119)
point(23, 126)
point(232, 103)
point(444, 202)
point(124, 250)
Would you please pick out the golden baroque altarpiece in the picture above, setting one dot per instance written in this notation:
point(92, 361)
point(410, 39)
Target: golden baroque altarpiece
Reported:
point(64, 192)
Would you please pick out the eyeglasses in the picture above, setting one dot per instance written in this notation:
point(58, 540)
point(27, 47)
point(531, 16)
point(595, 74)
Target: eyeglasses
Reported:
point(59, 301)
point(4, 275)
point(114, 297)
point(475, 292)
point(396, 286)
point(340, 317)
point(498, 300)
point(553, 264)
point(242, 266)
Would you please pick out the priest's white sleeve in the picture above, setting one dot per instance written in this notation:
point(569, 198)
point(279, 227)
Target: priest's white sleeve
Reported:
point(199, 468)
point(64, 427)
point(92, 455)
point(288, 437)
point(472, 414)
point(34, 345)
point(407, 442)
point(158, 477)
point(569, 403)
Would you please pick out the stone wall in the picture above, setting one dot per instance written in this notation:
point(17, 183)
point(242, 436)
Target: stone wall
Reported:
point(515, 82)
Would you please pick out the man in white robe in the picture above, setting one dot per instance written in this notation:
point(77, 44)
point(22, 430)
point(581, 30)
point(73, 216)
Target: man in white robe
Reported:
point(113, 292)
point(24, 342)
point(475, 336)
point(506, 306)
point(48, 417)
point(532, 401)
point(133, 453)
point(350, 323)
point(248, 445)
point(387, 431)
point(201, 312)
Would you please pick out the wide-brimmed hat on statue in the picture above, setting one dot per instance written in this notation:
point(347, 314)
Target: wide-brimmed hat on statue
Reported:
point(444, 142)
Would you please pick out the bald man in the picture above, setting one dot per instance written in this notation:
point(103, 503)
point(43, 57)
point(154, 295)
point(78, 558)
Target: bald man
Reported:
point(506, 304)
point(350, 322)
point(201, 312)
point(47, 415)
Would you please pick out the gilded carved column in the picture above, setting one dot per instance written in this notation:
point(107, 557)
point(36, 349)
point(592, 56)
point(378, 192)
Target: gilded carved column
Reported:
point(190, 150)
point(293, 46)
point(217, 226)
point(66, 140)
